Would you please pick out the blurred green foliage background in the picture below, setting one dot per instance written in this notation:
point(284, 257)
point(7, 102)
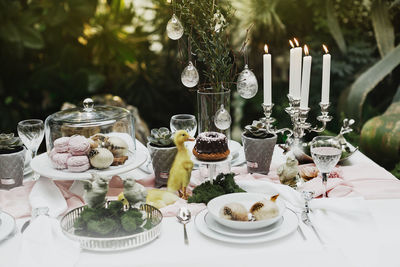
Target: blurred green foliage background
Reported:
point(53, 52)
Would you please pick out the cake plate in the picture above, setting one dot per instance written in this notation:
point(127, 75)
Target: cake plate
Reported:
point(212, 166)
point(41, 165)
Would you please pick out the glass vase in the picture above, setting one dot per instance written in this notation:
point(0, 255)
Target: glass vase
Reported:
point(208, 103)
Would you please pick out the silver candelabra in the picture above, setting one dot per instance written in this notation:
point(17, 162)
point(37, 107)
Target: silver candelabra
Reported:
point(298, 117)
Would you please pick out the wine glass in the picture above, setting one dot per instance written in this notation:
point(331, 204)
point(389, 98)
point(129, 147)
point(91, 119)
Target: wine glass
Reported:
point(184, 122)
point(326, 152)
point(31, 133)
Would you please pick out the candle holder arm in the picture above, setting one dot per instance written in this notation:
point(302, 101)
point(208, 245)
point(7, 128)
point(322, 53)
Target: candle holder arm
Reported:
point(268, 120)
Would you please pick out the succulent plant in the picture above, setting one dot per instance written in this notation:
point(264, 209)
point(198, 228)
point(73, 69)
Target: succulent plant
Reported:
point(10, 143)
point(161, 137)
point(257, 129)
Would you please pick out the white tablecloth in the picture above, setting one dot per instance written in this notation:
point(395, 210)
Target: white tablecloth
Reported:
point(169, 248)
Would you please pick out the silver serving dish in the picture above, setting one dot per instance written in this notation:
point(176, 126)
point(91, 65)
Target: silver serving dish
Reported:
point(303, 156)
point(113, 243)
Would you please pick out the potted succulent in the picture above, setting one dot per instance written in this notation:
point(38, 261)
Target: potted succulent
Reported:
point(12, 161)
point(258, 147)
point(162, 151)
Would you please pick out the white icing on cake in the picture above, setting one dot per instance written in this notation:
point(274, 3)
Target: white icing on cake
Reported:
point(211, 136)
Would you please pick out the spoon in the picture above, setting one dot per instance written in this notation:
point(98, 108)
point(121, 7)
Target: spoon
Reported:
point(184, 216)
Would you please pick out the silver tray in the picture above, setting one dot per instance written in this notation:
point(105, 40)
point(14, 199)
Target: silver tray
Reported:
point(304, 157)
point(113, 243)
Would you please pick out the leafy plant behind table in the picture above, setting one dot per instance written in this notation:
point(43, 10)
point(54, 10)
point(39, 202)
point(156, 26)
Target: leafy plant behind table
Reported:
point(63, 51)
point(45, 62)
point(357, 34)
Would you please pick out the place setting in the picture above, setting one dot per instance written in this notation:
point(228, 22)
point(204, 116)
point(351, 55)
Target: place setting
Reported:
point(246, 218)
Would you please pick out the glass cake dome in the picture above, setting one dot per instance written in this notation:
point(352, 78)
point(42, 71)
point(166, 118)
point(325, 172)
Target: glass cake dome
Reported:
point(90, 120)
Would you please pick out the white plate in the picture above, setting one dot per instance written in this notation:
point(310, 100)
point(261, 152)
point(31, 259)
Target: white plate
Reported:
point(240, 159)
point(216, 162)
point(41, 164)
point(27, 170)
point(288, 226)
point(219, 228)
point(247, 200)
point(7, 225)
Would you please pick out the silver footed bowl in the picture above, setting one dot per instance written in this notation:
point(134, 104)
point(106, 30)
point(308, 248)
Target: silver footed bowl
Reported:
point(113, 243)
point(303, 154)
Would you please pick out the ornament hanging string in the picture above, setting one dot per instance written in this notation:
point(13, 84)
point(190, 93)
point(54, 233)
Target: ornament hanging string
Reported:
point(243, 49)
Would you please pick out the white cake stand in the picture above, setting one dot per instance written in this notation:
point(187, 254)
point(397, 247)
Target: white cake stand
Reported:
point(41, 165)
point(212, 166)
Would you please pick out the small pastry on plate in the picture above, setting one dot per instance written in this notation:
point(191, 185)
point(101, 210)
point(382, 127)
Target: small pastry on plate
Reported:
point(100, 158)
point(234, 211)
point(59, 160)
point(265, 209)
point(78, 145)
point(61, 144)
point(78, 164)
point(119, 161)
point(117, 146)
point(307, 172)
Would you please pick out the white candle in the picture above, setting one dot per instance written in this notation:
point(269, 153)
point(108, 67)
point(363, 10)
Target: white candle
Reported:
point(326, 75)
point(305, 79)
point(295, 70)
point(267, 77)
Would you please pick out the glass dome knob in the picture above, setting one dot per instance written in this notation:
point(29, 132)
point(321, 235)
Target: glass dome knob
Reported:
point(88, 104)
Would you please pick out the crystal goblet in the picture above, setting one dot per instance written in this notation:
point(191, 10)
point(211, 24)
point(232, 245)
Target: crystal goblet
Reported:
point(31, 133)
point(184, 122)
point(326, 152)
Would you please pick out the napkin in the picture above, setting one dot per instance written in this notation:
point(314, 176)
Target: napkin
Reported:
point(345, 224)
point(43, 243)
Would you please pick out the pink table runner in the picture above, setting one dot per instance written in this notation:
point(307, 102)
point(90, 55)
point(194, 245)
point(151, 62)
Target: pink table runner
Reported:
point(370, 182)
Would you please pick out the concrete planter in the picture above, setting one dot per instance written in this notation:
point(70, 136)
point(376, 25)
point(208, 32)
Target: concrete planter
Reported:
point(258, 152)
point(162, 159)
point(12, 169)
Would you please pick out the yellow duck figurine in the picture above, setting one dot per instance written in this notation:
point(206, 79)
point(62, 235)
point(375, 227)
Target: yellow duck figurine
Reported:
point(179, 175)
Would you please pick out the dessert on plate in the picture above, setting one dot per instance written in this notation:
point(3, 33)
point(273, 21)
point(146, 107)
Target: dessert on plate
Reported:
point(92, 136)
point(211, 146)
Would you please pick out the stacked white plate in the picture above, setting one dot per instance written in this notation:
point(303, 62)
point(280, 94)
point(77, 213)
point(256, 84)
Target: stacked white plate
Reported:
point(214, 227)
point(7, 226)
point(236, 151)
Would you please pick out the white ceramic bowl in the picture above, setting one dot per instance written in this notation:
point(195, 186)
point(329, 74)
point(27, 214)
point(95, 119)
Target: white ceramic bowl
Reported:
point(247, 200)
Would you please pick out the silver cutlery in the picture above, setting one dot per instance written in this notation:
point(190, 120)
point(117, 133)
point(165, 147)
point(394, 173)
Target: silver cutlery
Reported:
point(184, 216)
point(306, 220)
point(308, 196)
point(298, 224)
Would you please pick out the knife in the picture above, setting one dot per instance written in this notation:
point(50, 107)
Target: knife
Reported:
point(306, 220)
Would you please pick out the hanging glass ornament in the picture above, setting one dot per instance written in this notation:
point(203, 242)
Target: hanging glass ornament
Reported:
point(174, 28)
point(247, 85)
point(190, 76)
point(222, 118)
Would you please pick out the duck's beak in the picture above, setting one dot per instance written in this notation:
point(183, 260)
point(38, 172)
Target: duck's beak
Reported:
point(191, 139)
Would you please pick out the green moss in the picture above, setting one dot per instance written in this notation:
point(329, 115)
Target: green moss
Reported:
point(223, 184)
